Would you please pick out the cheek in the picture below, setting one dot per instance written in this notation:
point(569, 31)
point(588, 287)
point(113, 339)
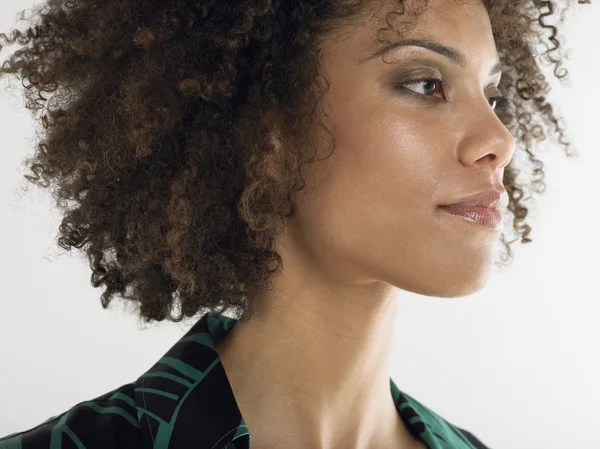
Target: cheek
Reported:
point(372, 212)
point(389, 150)
point(396, 164)
point(381, 186)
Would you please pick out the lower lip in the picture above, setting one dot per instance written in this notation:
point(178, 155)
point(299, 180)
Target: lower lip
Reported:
point(489, 218)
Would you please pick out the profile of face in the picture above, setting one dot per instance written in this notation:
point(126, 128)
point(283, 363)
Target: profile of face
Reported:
point(369, 213)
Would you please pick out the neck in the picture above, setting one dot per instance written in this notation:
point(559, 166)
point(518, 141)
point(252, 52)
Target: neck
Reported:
point(311, 377)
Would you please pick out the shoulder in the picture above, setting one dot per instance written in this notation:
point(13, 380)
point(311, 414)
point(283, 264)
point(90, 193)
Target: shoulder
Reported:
point(108, 421)
point(469, 437)
point(438, 431)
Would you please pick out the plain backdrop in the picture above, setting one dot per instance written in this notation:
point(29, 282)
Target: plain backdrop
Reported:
point(517, 363)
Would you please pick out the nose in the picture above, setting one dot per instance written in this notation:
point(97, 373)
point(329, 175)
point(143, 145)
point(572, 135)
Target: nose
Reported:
point(488, 140)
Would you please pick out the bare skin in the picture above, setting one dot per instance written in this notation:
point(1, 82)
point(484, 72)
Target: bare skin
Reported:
point(311, 369)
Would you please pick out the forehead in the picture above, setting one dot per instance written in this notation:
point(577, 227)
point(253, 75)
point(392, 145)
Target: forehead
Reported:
point(462, 24)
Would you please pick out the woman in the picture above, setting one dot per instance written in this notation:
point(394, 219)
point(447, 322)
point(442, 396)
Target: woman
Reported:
point(183, 153)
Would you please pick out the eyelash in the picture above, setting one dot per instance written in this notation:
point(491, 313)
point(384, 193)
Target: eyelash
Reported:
point(501, 101)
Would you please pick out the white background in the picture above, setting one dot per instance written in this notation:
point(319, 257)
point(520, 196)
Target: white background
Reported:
point(517, 363)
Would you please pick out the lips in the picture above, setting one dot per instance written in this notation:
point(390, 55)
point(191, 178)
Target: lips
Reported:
point(489, 199)
point(490, 218)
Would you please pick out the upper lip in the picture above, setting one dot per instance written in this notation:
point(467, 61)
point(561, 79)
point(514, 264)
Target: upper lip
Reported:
point(491, 199)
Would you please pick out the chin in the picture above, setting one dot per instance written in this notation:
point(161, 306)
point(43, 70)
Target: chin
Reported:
point(453, 286)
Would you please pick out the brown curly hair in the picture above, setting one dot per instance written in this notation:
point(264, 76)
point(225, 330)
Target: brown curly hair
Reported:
point(160, 148)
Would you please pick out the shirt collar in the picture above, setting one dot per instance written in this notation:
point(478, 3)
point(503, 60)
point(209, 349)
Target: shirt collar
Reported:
point(186, 400)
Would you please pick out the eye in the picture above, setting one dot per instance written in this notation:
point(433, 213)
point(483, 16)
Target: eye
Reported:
point(429, 85)
point(500, 102)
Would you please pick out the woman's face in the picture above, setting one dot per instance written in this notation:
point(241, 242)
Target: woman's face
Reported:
point(371, 212)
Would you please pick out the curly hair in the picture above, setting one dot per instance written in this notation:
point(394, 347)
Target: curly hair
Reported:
point(160, 147)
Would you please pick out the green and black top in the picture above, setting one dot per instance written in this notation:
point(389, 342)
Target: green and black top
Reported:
point(185, 401)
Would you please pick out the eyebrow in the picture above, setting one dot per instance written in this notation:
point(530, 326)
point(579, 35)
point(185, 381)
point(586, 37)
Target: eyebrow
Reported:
point(453, 54)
